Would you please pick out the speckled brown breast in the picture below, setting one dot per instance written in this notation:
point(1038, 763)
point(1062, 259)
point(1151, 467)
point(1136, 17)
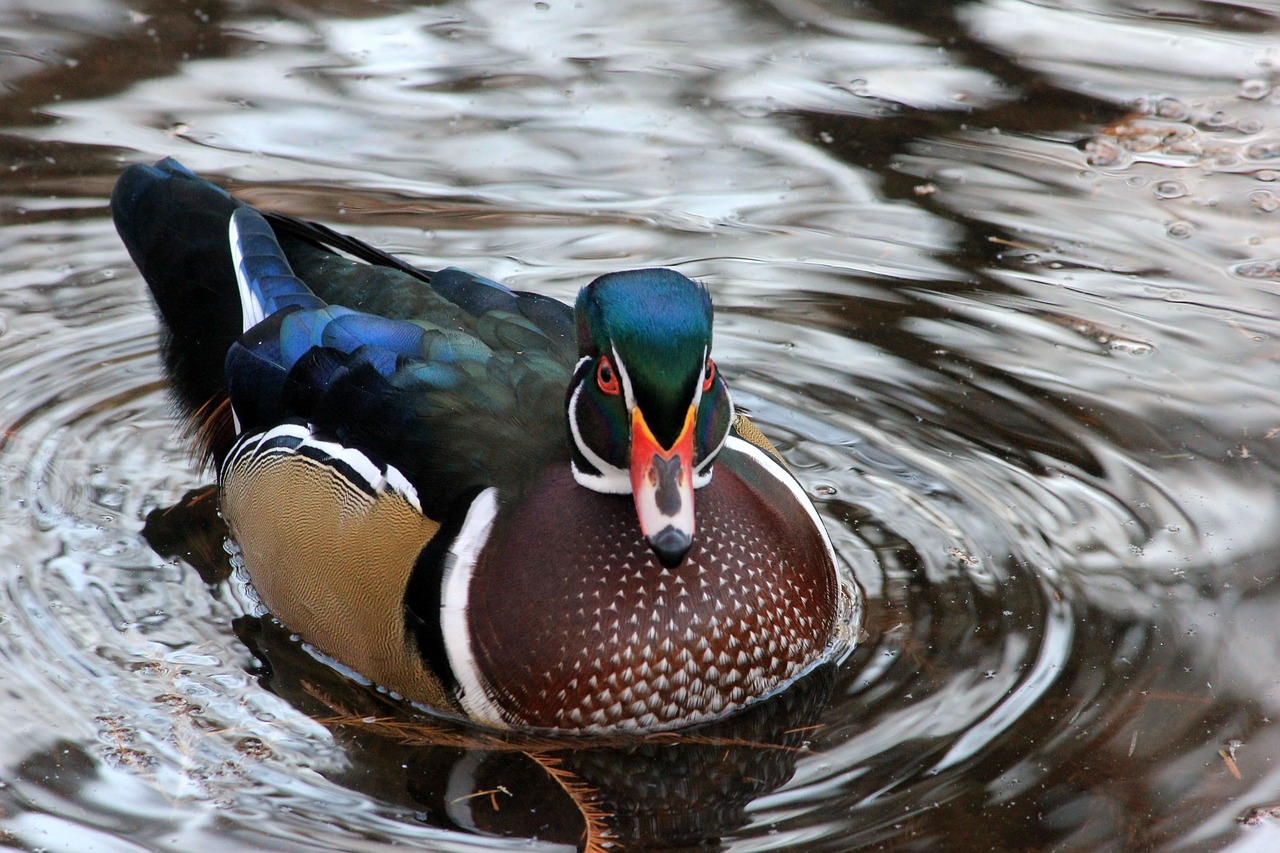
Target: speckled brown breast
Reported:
point(576, 625)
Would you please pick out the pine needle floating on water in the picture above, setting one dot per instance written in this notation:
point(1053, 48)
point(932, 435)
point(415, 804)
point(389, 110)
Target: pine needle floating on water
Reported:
point(1228, 756)
point(596, 834)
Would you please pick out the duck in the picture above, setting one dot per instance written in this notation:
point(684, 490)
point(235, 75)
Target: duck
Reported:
point(487, 502)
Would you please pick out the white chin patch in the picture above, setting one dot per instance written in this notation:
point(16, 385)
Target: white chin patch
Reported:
point(614, 482)
point(656, 513)
point(611, 480)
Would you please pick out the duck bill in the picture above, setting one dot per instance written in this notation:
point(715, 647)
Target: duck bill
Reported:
point(662, 486)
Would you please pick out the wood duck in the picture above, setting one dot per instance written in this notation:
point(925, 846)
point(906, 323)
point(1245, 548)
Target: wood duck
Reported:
point(479, 499)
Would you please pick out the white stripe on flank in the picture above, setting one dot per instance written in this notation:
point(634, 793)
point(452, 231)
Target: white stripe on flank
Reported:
point(377, 482)
point(247, 445)
point(782, 475)
point(397, 482)
point(297, 431)
point(251, 311)
point(702, 474)
point(353, 458)
point(455, 619)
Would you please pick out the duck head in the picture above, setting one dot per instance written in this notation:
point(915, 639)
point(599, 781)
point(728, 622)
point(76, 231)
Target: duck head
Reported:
point(647, 409)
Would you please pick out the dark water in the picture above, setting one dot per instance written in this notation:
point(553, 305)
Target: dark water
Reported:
point(1000, 278)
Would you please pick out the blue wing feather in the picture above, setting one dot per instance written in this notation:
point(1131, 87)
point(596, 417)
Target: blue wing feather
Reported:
point(256, 370)
point(475, 294)
point(267, 282)
point(444, 374)
point(301, 331)
point(357, 329)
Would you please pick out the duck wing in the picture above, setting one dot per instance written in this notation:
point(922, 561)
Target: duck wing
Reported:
point(452, 378)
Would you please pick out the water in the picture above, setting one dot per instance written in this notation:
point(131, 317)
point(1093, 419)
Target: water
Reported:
point(999, 278)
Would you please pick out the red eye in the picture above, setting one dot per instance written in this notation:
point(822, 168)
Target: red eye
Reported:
point(606, 378)
point(710, 377)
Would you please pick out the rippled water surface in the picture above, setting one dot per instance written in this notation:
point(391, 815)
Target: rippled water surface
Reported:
point(1000, 278)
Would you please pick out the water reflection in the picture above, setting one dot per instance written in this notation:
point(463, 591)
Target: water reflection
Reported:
point(999, 278)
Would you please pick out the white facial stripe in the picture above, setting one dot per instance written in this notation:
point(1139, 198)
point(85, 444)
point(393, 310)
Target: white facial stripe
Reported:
point(605, 484)
point(251, 311)
point(702, 474)
point(455, 617)
point(782, 475)
point(612, 480)
point(628, 395)
point(702, 380)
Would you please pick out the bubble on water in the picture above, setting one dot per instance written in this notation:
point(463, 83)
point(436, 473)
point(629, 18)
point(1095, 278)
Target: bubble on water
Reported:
point(1263, 150)
point(1181, 229)
point(1264, 200)
point(1104, 152)
point(752, 109)
point(1254, 90)
point(1189, 148)
point(1172, 108)
point(1170, 189)
point(1128, 346)
point(1254, 269)
point(1143, 142)
point(1264, 175)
